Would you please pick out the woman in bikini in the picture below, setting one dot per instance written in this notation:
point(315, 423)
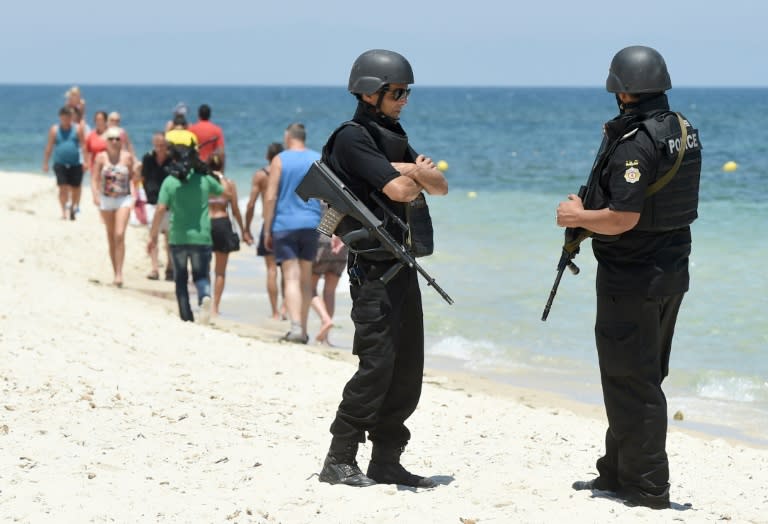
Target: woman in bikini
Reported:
point(112, 194)
point(224, 242)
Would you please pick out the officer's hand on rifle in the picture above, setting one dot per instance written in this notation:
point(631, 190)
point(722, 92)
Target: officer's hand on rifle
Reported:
point(569, 212)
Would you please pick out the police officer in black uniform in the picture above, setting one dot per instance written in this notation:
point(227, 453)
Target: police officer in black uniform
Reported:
point(371, 155)
point(641, 199)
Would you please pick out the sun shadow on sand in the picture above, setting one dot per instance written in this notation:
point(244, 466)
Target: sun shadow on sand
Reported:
point(597, 494)
point(440, 480)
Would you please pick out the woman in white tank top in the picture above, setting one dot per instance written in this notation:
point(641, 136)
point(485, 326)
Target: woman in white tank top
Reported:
point(111, 188)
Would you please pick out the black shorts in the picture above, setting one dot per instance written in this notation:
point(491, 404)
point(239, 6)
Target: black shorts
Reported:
point(261, 249)
point(223, 236)
point(68, 175)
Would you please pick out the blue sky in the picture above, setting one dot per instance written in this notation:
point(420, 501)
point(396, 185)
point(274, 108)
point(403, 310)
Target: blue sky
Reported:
point(476, 42)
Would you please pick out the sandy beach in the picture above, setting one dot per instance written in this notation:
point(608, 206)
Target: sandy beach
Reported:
point(113, 410)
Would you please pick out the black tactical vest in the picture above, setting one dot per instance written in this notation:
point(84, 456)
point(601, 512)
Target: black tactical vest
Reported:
point(418, 238)
point(676, 204)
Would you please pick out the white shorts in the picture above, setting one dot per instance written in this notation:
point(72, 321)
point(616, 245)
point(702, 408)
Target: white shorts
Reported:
point(109, 203)
point(165, 224)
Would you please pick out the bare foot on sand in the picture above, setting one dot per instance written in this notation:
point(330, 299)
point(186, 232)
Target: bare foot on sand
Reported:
point(322, 335)
point(327, 343)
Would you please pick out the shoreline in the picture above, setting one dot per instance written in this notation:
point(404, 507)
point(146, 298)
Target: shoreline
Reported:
point(116, 410)
point(550, 385)
point(545, 387)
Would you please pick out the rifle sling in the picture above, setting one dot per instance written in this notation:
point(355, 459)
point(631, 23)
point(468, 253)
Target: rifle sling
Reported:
point(664, 180)
point(652, 189)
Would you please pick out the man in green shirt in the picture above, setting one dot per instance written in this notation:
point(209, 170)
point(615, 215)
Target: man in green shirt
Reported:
point(185, 195)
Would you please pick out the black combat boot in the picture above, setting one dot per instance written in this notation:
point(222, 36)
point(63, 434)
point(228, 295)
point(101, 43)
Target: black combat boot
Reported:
point(385, 468)
point(340, 466)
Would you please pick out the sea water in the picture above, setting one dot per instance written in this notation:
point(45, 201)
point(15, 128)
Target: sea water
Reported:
point(513, 154)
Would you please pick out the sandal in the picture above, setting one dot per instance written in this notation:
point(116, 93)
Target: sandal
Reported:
point(154, 275)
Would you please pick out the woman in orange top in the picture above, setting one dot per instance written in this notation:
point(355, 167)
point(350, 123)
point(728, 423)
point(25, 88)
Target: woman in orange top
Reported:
point(95, 142)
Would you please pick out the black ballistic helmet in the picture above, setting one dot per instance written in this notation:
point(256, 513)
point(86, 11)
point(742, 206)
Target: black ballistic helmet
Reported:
point(377, 67)
point(636, 70)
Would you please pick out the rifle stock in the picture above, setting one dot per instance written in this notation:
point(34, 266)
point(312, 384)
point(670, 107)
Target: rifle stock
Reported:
point(322, 183)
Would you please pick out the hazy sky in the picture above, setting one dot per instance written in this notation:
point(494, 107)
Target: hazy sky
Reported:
point(475, 42)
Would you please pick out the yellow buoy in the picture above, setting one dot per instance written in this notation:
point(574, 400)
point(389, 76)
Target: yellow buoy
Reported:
point(730, 166)
point(471, 194)
point(442, 165)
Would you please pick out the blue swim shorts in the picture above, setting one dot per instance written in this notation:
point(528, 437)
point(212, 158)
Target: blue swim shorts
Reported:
point(295, 243)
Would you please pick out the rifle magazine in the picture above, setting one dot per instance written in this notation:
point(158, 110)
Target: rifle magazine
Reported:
point(330, 221)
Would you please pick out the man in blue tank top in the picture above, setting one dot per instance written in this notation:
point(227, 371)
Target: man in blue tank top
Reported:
point(67, 143)
point(290, 227)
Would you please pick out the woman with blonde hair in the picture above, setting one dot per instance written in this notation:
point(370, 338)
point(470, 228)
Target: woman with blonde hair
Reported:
point(111, 187)
point(113, 120)
point(75, 100)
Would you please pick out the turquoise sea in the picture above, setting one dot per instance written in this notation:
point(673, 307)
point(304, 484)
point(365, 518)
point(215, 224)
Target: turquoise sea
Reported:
point(520, 151)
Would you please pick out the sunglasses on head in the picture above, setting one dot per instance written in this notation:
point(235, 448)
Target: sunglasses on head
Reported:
point(400, 93)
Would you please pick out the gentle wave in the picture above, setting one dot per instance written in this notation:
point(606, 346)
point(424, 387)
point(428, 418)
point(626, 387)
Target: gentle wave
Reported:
point(464, 349)
point(740, 389)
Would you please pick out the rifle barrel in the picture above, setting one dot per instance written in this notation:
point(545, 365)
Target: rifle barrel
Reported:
point(431, 282)
point(552, 294)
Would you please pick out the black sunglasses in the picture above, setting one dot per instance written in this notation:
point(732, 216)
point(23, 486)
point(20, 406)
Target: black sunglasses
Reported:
point(400, 93)
point(113, 139)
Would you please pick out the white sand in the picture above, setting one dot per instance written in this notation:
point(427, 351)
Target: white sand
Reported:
point(113, 410)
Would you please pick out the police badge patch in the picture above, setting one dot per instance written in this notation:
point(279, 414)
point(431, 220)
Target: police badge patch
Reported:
point(632, 175)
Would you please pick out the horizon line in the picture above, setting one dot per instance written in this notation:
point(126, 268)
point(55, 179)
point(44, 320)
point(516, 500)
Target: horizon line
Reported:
point(342, 86)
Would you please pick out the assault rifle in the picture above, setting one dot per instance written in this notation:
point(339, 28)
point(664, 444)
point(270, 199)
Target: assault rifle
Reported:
point(575, 236)
point(322, 183)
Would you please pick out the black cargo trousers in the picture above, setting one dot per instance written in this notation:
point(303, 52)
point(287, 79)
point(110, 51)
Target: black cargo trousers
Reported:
point(389, 342)
point(633, 335)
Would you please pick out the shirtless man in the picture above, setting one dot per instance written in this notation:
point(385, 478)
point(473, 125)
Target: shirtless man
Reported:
point(258, 187)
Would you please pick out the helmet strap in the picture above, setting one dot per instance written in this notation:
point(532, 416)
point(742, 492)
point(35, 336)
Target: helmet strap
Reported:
point(382, 91)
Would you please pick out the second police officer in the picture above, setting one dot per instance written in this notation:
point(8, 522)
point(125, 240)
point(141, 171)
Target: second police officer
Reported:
point(642, 198)
point(372, 156)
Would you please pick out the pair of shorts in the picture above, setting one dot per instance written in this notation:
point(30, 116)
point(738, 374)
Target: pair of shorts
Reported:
point(165, 224)
point(327, 261)
point(295, 243)
point(261, 249)
point(68, 175)
point(222, 237)
point(109, 203)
